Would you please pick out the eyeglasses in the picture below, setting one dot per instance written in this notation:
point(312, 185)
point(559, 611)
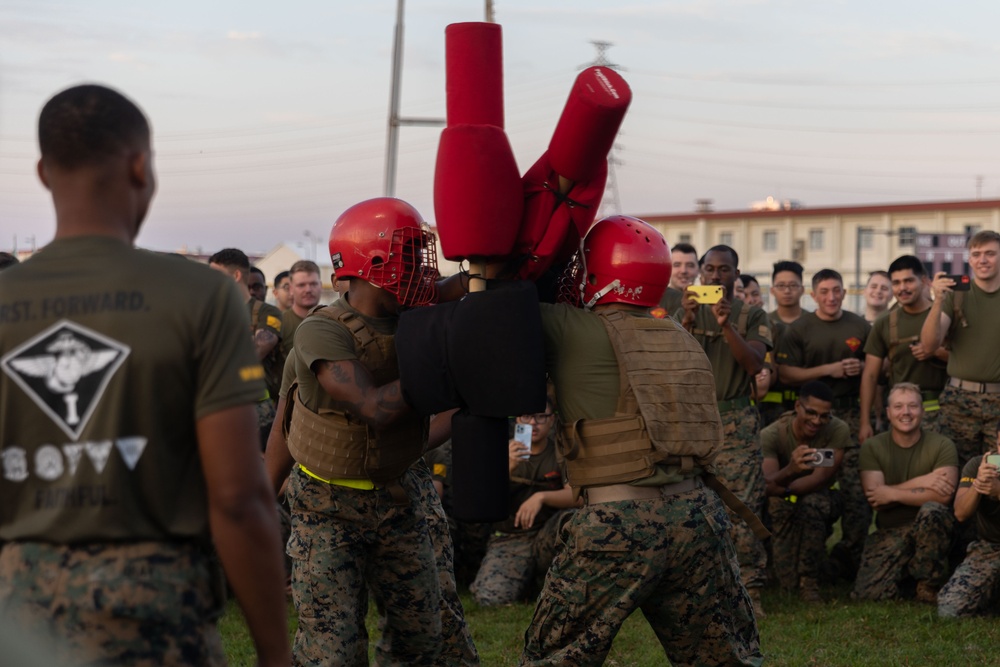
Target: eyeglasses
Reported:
point(540, 418)
point(813, 414)
point(787, 287)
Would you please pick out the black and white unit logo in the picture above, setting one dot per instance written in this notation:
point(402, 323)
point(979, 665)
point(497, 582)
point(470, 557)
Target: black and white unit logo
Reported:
point(65, 370)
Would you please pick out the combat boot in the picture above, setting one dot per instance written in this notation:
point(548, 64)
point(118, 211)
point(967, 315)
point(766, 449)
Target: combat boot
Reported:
point(809, 590)
point(926, 592)
point(758, 608)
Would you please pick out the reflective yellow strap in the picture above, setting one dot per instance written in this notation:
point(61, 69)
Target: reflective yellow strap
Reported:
point(773, 397)
point(931, 406)
point(361, 484)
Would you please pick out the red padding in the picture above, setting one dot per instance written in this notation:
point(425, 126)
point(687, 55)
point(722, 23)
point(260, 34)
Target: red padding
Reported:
point(551, 227)
point(478, 197)
point(474, 74)
point(589, 123)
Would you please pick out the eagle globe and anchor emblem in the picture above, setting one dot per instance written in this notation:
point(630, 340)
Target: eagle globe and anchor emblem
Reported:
point(65, 370)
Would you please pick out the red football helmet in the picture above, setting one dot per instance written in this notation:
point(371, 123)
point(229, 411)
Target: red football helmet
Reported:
point(622, 260)
point(386, 242)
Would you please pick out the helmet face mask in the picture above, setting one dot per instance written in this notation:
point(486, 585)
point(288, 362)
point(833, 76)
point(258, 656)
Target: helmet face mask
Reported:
point(385, 242)
point(622, 260)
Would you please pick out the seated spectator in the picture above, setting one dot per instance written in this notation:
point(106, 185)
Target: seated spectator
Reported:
point(522, 547)
point(909, 477)
point(974, 588)
point(803, 509)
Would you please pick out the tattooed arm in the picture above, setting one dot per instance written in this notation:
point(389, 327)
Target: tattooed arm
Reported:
point(264, 341)
point(353, 390)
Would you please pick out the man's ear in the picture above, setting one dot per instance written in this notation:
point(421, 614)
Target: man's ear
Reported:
point(138, 170)
point(40, 168)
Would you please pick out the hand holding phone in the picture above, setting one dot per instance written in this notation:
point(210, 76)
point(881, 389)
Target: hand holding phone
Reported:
point(962, 282)
point(707, 294)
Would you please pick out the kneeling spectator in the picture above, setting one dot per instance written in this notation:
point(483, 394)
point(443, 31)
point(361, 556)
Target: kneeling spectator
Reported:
point(799, 467)
point(522, 547)
point(975, 586)
point(909, 476)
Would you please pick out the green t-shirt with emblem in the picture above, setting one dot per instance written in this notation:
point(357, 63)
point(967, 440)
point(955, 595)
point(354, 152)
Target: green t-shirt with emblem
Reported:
point(671, 300)
point(268, 318)
point(319, 338)
point(930, 374)
point(108, 357)
point(988, 511)
point(541, 472)
point(982, 312)
point(778, 441)
point(901, 464)
point(289, 324)
point(809, 342)
point(731, 380)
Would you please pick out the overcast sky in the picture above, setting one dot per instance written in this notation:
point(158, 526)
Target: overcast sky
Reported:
point(270, 118)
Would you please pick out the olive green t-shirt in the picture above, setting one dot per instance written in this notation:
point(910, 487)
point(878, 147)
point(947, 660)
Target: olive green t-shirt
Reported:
point(982, 312)
point(289, 323)
point(778, 328)
point(988, 511)
point(809, 342)
point(778, 441)
point(671, 300)
point(109, 355)
point(731, 380)
point(287, 375)
point(901, 464)
point(545, 474)
point(930, 374)
point(268, 318)
point(320, 338)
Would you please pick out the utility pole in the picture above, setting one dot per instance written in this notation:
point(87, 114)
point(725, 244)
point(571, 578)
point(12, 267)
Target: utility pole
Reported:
point(395, 121)
point(610, 202)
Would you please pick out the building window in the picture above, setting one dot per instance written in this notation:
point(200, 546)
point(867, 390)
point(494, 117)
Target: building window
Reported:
point(684, 238)
point(907, 236)
point(815, 239)
point(971, 230)
point(726, 238)
point(866, 238)
point(770, 240)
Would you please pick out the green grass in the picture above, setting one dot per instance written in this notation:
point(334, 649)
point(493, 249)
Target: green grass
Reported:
point(794, 634)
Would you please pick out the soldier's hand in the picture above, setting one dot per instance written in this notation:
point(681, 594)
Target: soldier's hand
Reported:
point(802, 457)
point(690, 308)
point(721, 311)
point(865, 431)
point(852, 367)
point(516, 453)
point(942, 284)
point(919, 352)
point(879, 497)
point(529, 509)
point(942, 486)
point(836, 370)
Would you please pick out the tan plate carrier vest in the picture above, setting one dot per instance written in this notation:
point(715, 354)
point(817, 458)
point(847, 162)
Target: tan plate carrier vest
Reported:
point(335, 445)
point(666, 413)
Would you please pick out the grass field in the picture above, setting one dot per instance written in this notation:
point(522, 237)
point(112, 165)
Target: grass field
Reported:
point(794, 634)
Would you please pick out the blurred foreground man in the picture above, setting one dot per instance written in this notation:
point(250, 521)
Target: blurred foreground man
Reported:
point(365, 514)
point(127, 421)
point(640, 427)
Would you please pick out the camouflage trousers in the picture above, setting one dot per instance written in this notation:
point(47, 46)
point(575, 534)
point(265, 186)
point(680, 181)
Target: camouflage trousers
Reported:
point(857, 513)
point(739, 467)
point(514, 561)
point(974, 588)
point(670, 557)
point(346, 542)
point(145, 603)
point(895, 558)
point(969, 420)
point(798, 535)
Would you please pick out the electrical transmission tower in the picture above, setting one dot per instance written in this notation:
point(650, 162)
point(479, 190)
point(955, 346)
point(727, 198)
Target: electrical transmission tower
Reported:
point(610, 202)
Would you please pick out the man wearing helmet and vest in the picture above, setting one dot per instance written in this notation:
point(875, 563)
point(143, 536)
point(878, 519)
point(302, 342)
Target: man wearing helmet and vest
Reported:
point(640, 429)
point(365, 516)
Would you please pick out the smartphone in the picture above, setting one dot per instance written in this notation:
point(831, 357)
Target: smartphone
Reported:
point(707, 293)
point(822, 458)
point(522, 434)
point(962, 282)
point(993, 459)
